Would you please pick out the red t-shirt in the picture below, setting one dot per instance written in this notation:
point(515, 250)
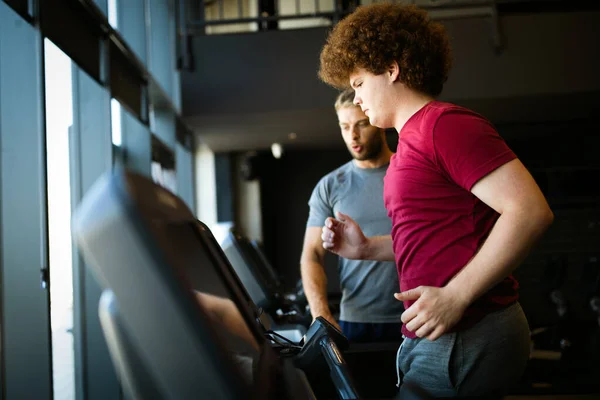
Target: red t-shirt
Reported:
point(437, 223)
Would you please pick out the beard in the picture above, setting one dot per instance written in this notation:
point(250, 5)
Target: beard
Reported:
point(371, 150)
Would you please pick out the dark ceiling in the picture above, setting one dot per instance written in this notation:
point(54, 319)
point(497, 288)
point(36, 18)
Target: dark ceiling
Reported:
point(250, 90)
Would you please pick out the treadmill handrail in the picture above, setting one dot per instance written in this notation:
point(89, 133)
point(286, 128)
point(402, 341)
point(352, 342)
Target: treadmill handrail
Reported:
point(338, 369)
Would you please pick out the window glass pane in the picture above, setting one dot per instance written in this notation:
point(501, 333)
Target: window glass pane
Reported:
point(59, 120)
point(115, 122)
point(112, 13)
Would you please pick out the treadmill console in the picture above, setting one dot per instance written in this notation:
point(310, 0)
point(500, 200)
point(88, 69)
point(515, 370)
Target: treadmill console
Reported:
point(324, 342)
point(321, 327)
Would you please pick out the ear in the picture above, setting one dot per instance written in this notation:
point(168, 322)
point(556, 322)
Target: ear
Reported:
point(393, 72)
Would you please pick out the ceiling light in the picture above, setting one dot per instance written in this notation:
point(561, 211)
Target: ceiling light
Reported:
point(277, 150)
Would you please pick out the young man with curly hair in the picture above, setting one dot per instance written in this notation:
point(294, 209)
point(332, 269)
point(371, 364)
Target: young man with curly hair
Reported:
point(464, 209)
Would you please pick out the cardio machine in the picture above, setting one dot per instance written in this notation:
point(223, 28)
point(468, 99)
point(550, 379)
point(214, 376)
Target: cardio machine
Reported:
point(264, 286)
point(150, 254)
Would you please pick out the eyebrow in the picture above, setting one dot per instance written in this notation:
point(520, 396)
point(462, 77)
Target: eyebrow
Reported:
point(357, 122)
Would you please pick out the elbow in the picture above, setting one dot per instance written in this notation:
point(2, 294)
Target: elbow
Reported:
point(535, 217)
point(542, 217)
point(549, 217)
point(310, 258)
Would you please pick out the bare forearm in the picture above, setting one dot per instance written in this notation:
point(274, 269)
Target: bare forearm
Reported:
point(379, 248)
point(314, 282)
point(510, 240)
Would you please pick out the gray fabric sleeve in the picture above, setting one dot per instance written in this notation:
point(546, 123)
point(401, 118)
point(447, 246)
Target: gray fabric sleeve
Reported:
point(320, 206)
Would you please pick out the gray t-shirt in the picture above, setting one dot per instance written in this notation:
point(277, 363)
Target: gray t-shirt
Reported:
point(368, 287)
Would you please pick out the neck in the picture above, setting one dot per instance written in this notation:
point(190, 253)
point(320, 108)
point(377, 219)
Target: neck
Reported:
point(382, 159)
point(409, 105)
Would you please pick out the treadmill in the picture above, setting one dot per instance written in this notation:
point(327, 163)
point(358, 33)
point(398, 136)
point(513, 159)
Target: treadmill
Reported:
point(298, 296)
point(150, 253)
point(263, 284)
point(259, 255)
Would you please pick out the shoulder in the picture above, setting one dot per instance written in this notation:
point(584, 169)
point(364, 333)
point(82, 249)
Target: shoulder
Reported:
point(442, 116)
point(338, 175)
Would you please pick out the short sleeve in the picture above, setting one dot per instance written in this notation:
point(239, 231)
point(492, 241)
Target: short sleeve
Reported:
point(320, 208)
point(467, 147)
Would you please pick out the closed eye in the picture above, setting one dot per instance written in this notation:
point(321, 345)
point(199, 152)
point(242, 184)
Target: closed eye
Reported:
point(356, 85)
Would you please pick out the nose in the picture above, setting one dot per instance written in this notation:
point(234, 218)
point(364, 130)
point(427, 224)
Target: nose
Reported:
point(355, 132)
point(357, 100)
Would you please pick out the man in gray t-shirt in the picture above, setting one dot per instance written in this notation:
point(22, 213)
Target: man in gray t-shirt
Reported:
point(369, 311)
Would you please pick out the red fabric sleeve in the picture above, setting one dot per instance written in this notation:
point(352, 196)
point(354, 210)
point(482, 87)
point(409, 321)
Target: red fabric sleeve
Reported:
point(467, 147)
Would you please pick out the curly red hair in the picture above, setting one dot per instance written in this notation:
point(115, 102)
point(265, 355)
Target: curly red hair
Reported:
point(374, 36)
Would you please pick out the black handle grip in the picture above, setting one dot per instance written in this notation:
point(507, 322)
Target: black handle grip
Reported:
point(338, 369)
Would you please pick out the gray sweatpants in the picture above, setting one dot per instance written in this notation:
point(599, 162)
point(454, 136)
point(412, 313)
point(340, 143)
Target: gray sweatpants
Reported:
point(486, 359)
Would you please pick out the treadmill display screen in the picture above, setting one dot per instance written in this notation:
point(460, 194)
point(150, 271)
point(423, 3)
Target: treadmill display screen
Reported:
point(189, 246)
point(246, 273)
